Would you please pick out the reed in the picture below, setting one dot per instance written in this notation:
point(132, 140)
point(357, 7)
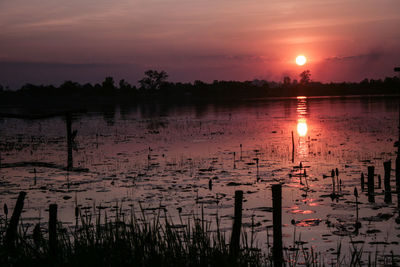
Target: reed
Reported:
point(122, 241)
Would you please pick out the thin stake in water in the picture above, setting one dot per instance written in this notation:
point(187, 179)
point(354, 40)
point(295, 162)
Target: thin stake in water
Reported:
point(234, 160)
point(69, 141)
point(34, 179)
point(337, 179)
point(357, 225)
point(237, 225)
point(388, 191)
point(371, 184)
point(257, 169)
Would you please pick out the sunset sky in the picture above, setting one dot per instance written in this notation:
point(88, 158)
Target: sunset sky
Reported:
point(50, 41)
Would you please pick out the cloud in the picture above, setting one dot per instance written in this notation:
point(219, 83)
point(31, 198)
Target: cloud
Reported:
point(369, 57)
point(19, 64)
point(237, 57)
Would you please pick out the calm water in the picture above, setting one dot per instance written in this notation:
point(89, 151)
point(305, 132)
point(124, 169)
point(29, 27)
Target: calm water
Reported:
point(167, 156)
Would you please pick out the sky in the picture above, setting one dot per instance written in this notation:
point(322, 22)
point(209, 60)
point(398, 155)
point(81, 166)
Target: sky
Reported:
point(51, 41)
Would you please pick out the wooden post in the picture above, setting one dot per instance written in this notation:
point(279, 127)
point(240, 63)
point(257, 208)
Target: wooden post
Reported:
point(397, 69)
point(357, 224)
point(53, 228)
point(388, 191)
point(237, 225)
point(277, 224)
point(34, 181)
point(5, 210)
point(337, 180)
point(379, 181)
point(234, 160)
point(356, 195)
point(241, 152)
point(398, 179)
point(257, 168)
point(11, 233)
point(77, 217)
point(371, 184)
point(69, 141)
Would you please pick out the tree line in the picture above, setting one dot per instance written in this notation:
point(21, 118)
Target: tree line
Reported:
point(155, 86)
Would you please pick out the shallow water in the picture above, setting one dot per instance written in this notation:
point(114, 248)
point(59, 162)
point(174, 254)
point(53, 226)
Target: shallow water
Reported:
point(163, 155)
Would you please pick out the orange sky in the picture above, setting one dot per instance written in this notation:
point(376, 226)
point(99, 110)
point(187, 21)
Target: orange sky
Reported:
point(49, 41)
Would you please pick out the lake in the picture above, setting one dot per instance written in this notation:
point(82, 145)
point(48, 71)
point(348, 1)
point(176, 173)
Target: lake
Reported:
point(162, 156)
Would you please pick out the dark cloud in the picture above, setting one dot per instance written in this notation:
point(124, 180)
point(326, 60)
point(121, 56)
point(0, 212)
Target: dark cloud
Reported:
point(54, 65)
point(370, 57)
point(223, 57)
point(377, 64)
point(254, 58)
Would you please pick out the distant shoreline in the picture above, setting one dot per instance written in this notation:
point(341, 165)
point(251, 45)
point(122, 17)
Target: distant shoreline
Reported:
point(73, 96)
point(329, 96)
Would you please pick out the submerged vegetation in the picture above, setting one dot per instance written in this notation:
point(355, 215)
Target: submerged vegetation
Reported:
point(155, 87)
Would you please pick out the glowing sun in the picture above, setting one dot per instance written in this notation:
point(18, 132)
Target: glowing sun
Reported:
point(301, 60)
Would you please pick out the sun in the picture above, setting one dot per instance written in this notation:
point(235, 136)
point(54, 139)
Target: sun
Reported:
point(301, 60)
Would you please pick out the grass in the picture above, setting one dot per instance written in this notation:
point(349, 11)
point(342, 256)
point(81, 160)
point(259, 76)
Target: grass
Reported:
point(136, 241)
point(96, 239)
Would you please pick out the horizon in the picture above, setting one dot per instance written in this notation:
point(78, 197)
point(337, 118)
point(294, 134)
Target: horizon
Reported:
point(52, 42)
point(292, 82)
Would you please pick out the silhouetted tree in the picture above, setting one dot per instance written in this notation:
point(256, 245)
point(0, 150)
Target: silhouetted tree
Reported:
point(365, 82)
point(108, 83)
point(124, 85)
point(286, 81)
point(28, 87)
point(87, 86)
point(153, 80)
point(69, 85)
point(305, 77)
point(198, 83)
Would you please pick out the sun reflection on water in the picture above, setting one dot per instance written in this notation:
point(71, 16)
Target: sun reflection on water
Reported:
point(302, 127)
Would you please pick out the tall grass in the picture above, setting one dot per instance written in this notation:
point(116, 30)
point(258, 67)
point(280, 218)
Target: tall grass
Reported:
point(120, 241)
point(98, 239)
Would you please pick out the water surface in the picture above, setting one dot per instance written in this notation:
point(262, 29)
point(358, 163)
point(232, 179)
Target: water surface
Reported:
point(159, 155)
